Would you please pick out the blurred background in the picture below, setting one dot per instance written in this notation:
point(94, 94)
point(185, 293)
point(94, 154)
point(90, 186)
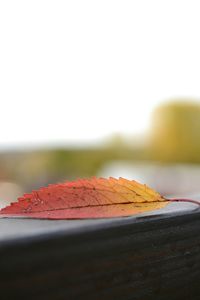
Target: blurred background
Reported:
point(105, 88)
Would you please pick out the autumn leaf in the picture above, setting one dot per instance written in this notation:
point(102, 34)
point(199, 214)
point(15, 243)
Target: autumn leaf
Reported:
point(87, 198)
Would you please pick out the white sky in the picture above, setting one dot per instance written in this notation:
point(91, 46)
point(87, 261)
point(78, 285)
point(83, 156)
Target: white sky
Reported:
point(76, 71)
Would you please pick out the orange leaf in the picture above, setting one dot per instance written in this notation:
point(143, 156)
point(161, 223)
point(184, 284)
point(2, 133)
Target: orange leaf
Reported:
point(87, 198)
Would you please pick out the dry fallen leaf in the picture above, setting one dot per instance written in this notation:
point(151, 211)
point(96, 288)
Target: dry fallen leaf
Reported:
point(87, 198)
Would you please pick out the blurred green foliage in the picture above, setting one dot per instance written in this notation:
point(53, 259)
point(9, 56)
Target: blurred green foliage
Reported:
point(174, 137)
point(33, 169)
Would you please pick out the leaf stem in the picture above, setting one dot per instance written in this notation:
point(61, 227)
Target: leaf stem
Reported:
point(184, 200)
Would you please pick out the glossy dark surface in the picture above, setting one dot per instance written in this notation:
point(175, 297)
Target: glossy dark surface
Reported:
point(151, 256)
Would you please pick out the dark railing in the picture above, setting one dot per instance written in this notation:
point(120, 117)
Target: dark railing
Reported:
point(144, 257)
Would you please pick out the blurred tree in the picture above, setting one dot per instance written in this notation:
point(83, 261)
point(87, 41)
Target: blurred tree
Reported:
point(175, 132)
point(116, 141)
